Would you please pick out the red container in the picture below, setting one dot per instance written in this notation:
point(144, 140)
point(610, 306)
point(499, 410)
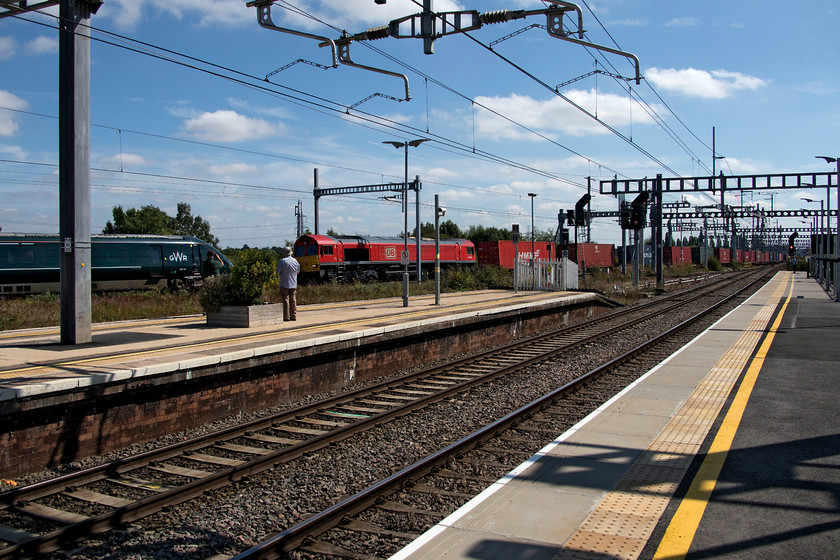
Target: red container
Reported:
point(723, 254)
point(592, 255)
point(739, 255)
point(762, 257)
point(500, 253)
point(749, 256)
point(676, 255)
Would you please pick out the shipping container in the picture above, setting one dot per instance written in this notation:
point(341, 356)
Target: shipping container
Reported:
point(762, 257)
point(591, 255)
point(739, 255)
point(676, 255)
point(500, 253)
point(723, 254)
point(749, 257)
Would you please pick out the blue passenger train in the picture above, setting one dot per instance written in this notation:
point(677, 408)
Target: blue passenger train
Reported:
point(29, 263)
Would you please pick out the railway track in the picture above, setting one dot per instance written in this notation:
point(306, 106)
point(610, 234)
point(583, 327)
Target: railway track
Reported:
point(47, 516)
point(383, 518)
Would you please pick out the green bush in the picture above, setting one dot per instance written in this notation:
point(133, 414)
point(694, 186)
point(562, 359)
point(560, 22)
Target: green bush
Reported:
point(714, 264)
point(253, 274)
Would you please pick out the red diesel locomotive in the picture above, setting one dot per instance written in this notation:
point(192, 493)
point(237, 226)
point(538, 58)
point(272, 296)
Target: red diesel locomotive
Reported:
point(347, 258)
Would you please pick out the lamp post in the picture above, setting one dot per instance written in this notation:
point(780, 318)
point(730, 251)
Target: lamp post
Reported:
point(405, 145)
point(835, 263)
point(533, 252)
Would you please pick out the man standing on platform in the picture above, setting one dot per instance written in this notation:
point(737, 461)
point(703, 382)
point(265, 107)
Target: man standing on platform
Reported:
point(287, 270)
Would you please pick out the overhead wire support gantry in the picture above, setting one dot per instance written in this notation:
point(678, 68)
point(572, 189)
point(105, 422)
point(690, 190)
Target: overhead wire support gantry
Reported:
point(13, 8)
point(430, 26)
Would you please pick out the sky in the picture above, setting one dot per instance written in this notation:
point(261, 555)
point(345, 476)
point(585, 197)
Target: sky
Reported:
point(187, 106)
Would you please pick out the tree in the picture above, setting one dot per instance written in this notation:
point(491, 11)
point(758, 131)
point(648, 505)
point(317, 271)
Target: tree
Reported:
point(147, 220)
point(184, 223)
point(481, 233)
point(151, 220)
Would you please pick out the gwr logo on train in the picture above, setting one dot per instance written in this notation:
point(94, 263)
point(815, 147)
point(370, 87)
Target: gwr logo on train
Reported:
point(177, 257)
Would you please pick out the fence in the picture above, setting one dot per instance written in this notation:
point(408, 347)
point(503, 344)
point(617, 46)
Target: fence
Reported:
point(556, 275)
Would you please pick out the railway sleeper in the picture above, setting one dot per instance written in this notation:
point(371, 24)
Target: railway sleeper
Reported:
point(454, 475)
point(13, 535)
point(323, 548)
point(397, 507)
point(420, 488)
point(370, 528)
point(96, 498)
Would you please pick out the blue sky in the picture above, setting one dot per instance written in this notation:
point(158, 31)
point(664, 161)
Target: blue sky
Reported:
point(199, 123)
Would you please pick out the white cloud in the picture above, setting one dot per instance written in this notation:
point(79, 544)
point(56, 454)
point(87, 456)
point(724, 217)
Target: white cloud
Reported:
point(15, 151)
point(229, 126)
point(352, 13)
point(7, 48)
point(233, 169)
point(43, 45)
point(8, 123)
point(121, 160)
point(128, 14)
point(717, 84)
point(631, 22)
point(683, 22)
point(556, 115)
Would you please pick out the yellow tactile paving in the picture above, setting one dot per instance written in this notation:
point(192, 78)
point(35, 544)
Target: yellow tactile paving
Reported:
point(621, 524)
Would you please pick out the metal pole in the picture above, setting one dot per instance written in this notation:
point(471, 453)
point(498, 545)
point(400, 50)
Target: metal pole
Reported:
point(657, 242)
point(405, 229)
point(588, 221)
point(74, 169)
point(417, 192)
point(533, 251)
point(837, 239)
point(637, 260)
point(315, 189)
point(437, 250)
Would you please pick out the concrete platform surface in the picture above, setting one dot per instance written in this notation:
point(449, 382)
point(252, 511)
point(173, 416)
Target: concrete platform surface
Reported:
point(34, 362)
point(730, 448)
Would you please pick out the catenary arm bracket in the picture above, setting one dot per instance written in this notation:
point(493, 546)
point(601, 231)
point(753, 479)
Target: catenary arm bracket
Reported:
point(264, 19)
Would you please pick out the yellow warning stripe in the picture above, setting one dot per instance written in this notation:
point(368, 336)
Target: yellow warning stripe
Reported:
point(682, 528)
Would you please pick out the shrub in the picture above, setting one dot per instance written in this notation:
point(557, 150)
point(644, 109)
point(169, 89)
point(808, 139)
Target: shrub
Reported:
point(714, 264)
point(255, 272)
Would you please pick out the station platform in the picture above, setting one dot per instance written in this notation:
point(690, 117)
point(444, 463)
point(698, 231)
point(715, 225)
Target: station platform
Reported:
point(34, 363)
point(728, 449)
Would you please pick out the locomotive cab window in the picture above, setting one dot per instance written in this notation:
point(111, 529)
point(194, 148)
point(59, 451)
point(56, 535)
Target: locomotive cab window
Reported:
point(327, 250)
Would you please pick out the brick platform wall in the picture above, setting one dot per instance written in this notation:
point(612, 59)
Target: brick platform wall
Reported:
point(47, 432)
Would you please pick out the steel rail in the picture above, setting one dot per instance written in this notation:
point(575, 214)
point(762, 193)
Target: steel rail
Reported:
point(53, 540)
point(286, 541)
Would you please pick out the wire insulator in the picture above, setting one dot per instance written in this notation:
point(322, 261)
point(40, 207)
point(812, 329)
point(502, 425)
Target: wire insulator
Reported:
point(375, 33)
point(500, 16)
